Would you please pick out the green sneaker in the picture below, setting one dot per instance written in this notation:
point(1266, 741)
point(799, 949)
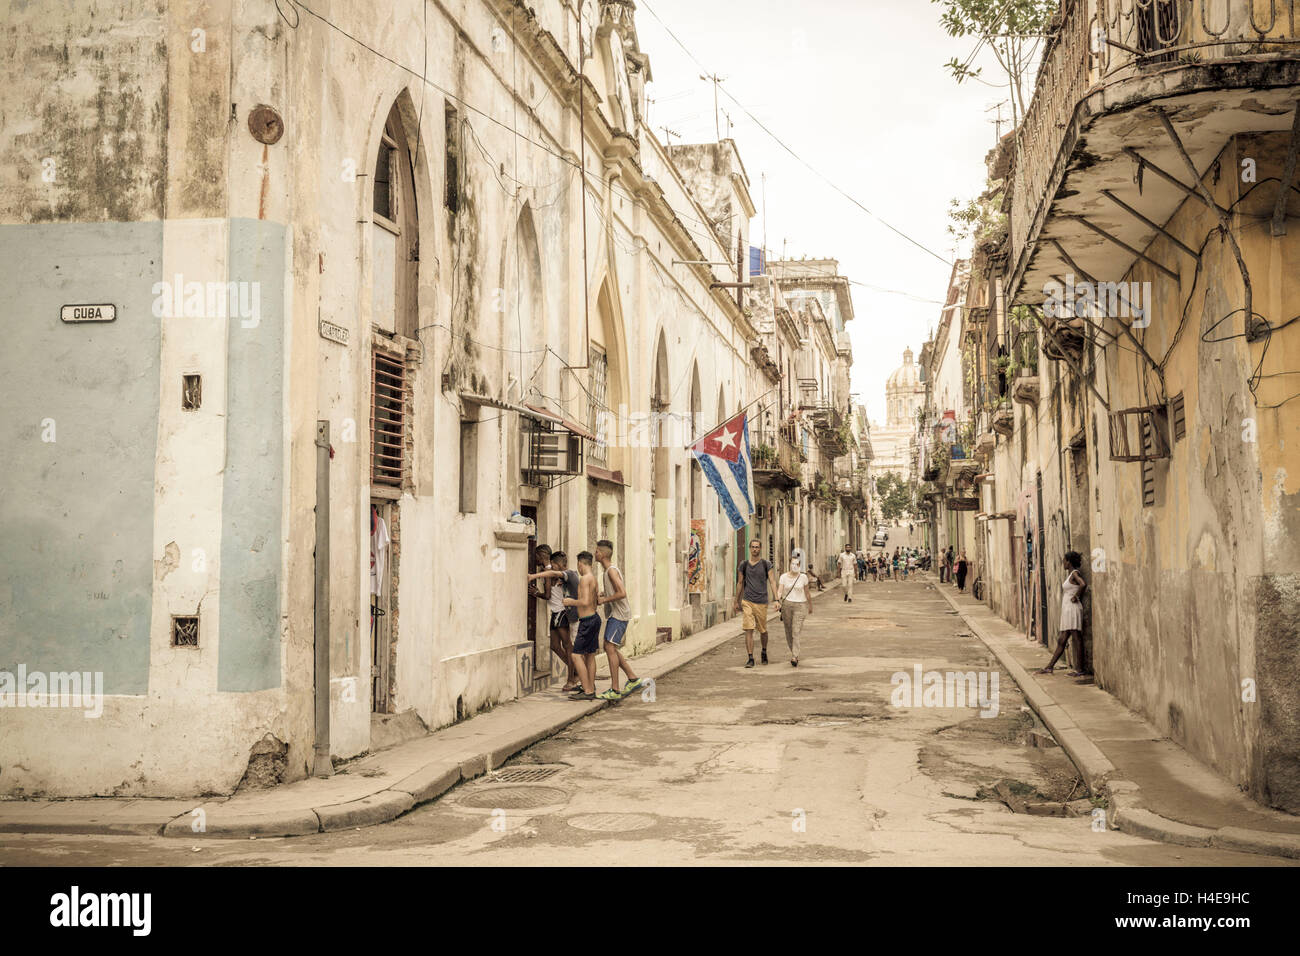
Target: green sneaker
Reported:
point(610, 694)
point(632, 685)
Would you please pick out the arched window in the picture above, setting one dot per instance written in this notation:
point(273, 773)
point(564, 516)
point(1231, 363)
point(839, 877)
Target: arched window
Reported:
point(395, 233)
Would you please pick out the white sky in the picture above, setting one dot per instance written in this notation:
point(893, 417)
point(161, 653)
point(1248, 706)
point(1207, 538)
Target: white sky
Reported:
point(856, 88)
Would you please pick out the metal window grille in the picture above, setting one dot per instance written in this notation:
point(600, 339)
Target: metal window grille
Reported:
point(598, 384)
point(185, 632)
point(387, 419)
point(191, 392)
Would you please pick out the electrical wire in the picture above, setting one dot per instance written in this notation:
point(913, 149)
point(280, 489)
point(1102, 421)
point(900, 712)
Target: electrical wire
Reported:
point(788, 149)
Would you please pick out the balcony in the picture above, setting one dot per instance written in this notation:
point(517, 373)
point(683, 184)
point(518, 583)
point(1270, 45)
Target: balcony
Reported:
point(776, 460)
point(1097, 167)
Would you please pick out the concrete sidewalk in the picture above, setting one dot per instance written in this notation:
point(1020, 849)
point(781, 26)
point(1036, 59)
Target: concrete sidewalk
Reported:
point(1154, 788)
point(370, 790)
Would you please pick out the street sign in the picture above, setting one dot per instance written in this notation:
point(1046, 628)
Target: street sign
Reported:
point(334, 333)
point(89, 313)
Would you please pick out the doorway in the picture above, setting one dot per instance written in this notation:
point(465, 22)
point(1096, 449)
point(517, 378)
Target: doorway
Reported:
point(383, 602)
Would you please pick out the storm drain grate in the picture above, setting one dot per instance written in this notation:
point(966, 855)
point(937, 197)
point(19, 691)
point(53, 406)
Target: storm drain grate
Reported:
point(513, 798)
point(525, 774)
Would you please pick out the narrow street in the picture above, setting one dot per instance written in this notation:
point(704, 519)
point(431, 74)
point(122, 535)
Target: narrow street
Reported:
point(732, 765)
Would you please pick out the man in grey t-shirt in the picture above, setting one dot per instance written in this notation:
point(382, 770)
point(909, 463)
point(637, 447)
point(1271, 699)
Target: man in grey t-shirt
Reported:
point(753, 580)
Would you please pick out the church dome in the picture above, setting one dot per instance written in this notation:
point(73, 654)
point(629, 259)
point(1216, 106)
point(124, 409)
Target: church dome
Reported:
point(906, 376)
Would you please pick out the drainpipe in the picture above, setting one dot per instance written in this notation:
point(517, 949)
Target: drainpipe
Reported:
point(322, 767)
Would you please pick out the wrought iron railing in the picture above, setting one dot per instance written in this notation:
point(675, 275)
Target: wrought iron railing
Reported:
point(773, 451)
point(1099, 40)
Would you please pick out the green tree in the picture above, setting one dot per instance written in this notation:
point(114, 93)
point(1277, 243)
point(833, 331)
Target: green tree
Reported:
point(893, 496)
point(1012, 29)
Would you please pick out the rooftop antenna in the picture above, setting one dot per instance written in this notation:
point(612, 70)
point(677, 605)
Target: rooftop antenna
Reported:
point(669, 134)
point(729, 123)
point(715, 80)
point(999, 121)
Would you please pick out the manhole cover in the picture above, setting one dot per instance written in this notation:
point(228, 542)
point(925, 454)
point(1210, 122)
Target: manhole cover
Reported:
point(611, 822)
point(513, 798)
point(525, 774)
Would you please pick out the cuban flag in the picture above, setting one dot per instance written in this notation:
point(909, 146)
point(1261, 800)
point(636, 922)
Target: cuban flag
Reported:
point(723, 455)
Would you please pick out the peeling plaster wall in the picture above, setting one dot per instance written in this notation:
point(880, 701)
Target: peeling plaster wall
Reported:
point(237, 478)
point(1197, 593)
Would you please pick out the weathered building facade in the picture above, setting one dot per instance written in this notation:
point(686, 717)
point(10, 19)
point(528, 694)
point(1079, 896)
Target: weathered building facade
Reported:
point(391, 250)
point(1133, 355)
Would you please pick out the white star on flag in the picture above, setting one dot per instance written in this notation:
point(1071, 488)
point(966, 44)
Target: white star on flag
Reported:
point(727, 440)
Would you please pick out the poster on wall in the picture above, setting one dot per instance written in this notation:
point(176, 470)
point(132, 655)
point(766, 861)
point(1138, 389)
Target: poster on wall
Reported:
point(695, 558)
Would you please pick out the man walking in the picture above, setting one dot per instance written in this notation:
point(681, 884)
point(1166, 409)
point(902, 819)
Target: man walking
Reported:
point(753, 578)
point(587, 642)
point(848, 564)
point(617, 613)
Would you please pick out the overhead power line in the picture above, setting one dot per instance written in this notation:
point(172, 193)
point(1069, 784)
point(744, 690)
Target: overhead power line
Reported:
point(816, 172)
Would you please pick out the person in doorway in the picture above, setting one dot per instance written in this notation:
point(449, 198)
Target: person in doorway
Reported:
point(587, 642)
point(794, 600)
point(752, 595)
point(949, 561)
point(963, 567)
point(617, 613)
point(562, 583)
point(1071, 613)
point(848, 564)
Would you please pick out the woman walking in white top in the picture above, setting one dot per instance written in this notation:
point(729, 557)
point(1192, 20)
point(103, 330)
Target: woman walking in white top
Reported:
point(792, 598)
point(1071, 612)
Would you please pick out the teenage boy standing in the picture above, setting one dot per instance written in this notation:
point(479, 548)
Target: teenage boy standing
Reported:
point(587, 642)
point(752, 580)
point(617, 613)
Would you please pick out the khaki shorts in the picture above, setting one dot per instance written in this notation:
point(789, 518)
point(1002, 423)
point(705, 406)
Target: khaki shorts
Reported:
point(755, 616)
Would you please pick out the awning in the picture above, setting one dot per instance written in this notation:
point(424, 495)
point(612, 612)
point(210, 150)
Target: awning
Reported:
point(536, 412)
point(545, 414)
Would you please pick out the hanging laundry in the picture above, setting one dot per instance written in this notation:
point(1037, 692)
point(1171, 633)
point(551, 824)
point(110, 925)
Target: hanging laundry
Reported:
point(379, 542)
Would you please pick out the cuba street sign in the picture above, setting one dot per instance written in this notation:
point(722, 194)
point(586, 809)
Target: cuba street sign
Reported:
point(89, 313)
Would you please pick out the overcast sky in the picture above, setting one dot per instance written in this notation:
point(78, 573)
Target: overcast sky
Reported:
point(858, 90)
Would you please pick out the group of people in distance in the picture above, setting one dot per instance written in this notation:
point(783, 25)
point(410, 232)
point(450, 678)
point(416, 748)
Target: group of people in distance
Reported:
point(573, 599)
point(880, 566)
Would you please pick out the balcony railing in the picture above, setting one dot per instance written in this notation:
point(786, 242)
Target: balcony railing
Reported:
point(1100, 40)
point(776, 458)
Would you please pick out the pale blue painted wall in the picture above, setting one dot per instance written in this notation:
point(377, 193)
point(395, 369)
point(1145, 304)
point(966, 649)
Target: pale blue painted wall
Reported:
point(253, 482)
point(76, 514)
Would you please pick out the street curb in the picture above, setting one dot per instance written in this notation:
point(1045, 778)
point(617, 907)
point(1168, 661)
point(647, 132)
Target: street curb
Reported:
point(1126, 812)
point(82, 829)
point(280, 823)
point(424, 785)
point(1086, 756)
point(376, 808)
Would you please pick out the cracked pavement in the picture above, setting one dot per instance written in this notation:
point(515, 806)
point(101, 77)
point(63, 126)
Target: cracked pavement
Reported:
point(774, 764)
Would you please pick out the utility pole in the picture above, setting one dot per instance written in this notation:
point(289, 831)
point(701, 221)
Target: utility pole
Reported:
point(715, 80)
